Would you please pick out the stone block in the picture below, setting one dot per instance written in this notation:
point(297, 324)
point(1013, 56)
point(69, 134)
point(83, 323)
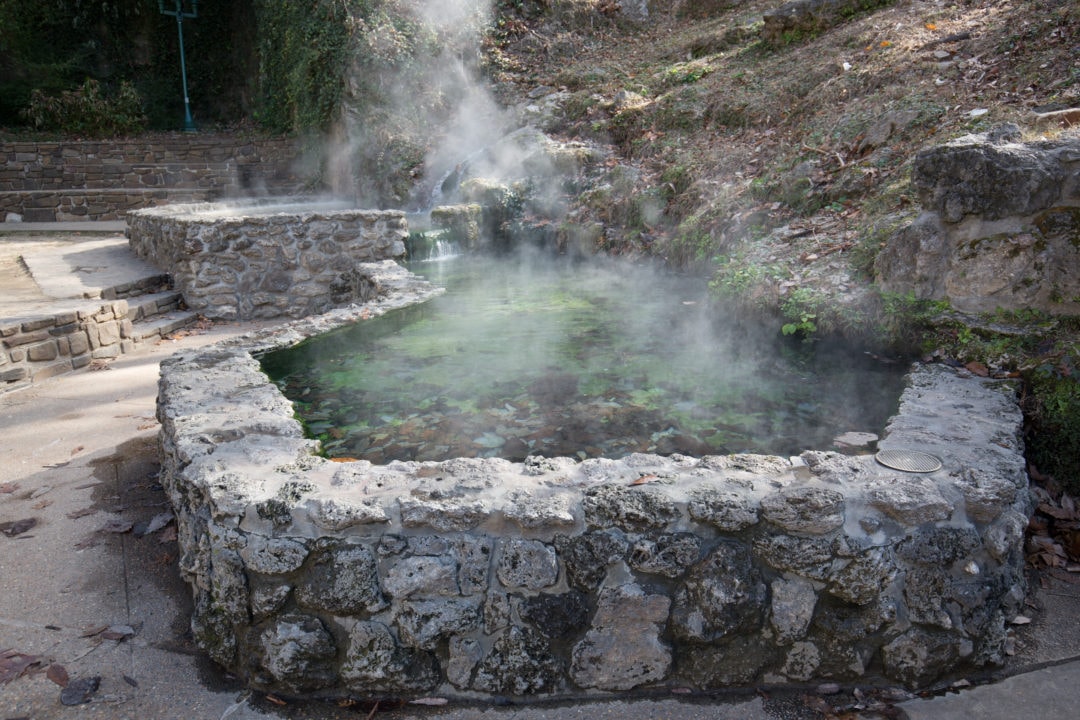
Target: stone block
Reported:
point(14, 374)
point(43, 352)
point(42, 372)
point(623, 649)
point(108, 333)
point(343, 580)
point(813, 510)
point(26, 338)
point(528, 564)
point(31, 326)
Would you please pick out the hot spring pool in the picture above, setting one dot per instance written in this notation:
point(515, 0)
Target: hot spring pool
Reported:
point(528, 356)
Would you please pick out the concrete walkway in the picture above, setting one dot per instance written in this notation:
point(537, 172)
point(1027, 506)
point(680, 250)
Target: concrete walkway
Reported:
point(93, 585)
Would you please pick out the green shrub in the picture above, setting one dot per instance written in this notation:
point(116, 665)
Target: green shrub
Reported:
point(85, 111)
point(1054, 425)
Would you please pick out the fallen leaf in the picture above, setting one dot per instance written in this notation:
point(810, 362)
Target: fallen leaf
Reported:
point(647, 478)
point(87, 542)
point(158, 521)
point(57, 674)
point(1021, 620)
point(977, 368)
point(42, 504)
point(14, 663)
point(1071, 578)
point(931, 26)
point(78, 449)
point(79, 691)
point(130, 681)
point(124, 630)
point(1055, 512)
point(9, 487)
point(95, 630)
point(17, 527)
point(76, 514)
point(117, 525)
point(276, 700)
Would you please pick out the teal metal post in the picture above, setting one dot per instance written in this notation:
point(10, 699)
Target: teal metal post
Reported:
point(179, 14)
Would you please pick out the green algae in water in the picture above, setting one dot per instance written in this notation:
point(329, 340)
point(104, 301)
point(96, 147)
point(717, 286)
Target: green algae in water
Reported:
point(527, 356)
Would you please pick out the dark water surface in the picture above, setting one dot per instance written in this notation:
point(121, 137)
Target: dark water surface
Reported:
point(600, 359)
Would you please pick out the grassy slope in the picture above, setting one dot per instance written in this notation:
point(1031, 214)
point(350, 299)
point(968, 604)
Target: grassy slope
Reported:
point(734, 139)
point(737, 137)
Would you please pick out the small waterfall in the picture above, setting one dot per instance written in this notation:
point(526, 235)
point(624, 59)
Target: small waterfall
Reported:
point(431, 246)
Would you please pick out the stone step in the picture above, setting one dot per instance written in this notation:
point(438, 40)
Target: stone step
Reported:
point(162, 325)
point(154, 304)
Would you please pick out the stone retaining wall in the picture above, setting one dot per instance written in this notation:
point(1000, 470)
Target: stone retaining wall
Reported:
point(561, 578)
point(251, 261)
point(101, 180)
point(34, 349)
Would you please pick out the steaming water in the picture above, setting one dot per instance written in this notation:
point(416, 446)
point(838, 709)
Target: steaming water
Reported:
point(525, 357)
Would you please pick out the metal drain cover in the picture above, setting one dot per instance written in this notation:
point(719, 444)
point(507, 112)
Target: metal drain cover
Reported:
point(908, 460)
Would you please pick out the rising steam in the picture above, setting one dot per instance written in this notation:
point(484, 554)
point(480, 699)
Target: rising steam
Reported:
point(414, 107)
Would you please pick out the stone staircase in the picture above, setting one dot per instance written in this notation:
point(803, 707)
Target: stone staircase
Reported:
point(92, 322)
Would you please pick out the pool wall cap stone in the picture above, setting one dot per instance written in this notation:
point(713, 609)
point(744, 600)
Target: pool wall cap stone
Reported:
point(479, 577)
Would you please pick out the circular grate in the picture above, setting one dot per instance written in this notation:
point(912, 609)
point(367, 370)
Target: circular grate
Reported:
point(908, 461)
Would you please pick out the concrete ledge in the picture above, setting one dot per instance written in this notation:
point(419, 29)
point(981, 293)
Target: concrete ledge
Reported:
point(556, 578)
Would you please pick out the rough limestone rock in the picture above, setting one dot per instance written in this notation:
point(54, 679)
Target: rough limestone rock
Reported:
point(792, 604)
point(376, 663)
point(557, 616)
point(720, 595)
point(812, 510)
point(810, 557)
point(343, 580)
point(627, 507)
point(910, 500)
point(623, 649)
point(297, 652)
point(527, 564)
point(919, 655)
point(669, 554)
point(588, 556)
point(938, 545)
point(421, 576)
point(520, 663)
point(860, 581)
point(422, 623)
point(729, 510)
point(273, 556)
point(1000, 225)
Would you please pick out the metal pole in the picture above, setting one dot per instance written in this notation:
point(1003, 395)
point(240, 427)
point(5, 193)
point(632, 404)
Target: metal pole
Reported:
point(189, 126)
point(179, 14)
